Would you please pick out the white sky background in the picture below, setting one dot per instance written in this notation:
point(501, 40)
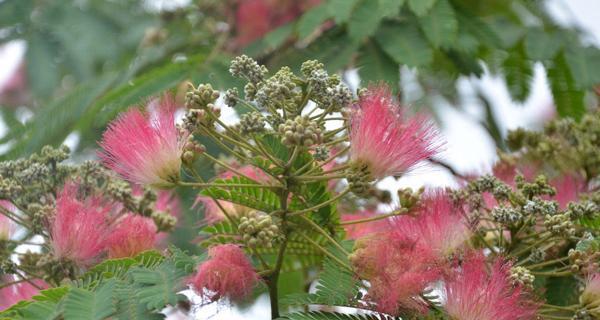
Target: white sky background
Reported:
point(469, 148)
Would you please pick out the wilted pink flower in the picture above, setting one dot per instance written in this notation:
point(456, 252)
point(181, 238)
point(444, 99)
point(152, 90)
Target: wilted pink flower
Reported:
point(398, 270)
point(358, 230)
point(79, 228)
point(132, 235)
point(476, 294)
point(385, 140)
point(6, 225)
point(591, 293)
point(437, 223)
point(227, 273)
point(20, 291)
point(143, 147)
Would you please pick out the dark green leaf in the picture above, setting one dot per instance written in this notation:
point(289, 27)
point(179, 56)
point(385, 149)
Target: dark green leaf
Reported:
point(440, 25)
point(312, 19)
point(374, 65)
point(518, 72)
point(42, 72)
point(568, 97)
point(541, 44)
point(364, 20)
point(405, 44)
point(390, 8)
point(340, 10)
point(420, 7)
point(584, 64)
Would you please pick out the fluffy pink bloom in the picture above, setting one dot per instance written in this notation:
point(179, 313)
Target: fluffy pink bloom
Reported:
point(227, 273)
point(398, 270)
point(132, 235)
point(437, 223)
point(143, 147)
point(568, 188)
point(167, 201)
point(6, 225)
point(474, 293)
point(355, 231)
point(387, 141)
point(272, 13)
point(17, 292)
point(212, 211)
point(590, 297)
point(79, 228)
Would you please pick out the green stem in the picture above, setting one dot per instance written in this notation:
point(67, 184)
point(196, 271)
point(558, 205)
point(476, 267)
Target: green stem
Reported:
point(224, 185)
point(325, 251)
point(321, 205)
point(324, 233)
point(375, 218)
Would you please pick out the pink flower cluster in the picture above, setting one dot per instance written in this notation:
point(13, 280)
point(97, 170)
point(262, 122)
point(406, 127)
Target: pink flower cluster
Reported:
point(474, 293)
point(14, 293)
point(385, 140)
point(227, 273)
point(84, 230)
point(6, 225)
point(144, 147)
point(272, 13)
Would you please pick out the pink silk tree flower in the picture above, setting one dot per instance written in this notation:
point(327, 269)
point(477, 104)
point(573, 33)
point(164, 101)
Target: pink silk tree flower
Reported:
point(131, 236)
point(385, 140)
point(437, 224)
point(398, 270)
point(227, 273)
point(7, 226)
point(568, 188)
point(12, 294)
point(590, 297)
point(474, 293)
point(145, 147)
point(79, 228)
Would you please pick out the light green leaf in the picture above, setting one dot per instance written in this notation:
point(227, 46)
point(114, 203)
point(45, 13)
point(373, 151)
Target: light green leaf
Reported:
point(312, 19)
point(390, 8)
point(42, 72)
point(159, 287)
point(364, 20)
point(375, 65)
point(81, 304)
point(405, 44)
point(420, 7)
point(584, 64)
point(440, 25)
point(340, 10)
point(541, 44)
point(518, 72)
point(568, 97)
point(276, 37)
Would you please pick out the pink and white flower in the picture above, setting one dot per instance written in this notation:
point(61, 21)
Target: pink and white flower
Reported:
point(19, 291)
point(145, 147)
point(384, 139)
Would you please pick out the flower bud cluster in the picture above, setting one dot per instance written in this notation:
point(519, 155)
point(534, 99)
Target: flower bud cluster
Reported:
point(584, 261)
point(560, 225)
point(191, 151)
point(258, 229)
point(522, 276)
point(508, 216)
point(300, 132)
point(359, 179)
point(252, 122)
point(246, 67)
point(201, 97)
